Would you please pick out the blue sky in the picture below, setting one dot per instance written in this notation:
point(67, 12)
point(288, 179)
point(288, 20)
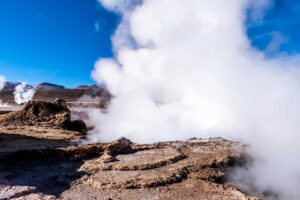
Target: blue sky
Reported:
point(58, 41)
point(55, 41)
point(280, 29)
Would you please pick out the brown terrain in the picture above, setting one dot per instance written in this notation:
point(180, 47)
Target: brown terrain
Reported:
point(44, 156)
point(50, 92)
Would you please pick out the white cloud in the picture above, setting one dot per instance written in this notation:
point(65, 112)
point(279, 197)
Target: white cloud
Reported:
point(2, 82)
point(120, 5)
point(277, 40)
point(97, 26)
point(258, 9)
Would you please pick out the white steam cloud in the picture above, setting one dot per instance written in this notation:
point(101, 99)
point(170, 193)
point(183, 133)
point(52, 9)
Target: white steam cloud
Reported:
point(2, 84)
point(23, 93)
point(186, 68)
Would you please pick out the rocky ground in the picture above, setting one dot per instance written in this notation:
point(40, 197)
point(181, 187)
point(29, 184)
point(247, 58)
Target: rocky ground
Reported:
point(45, 159)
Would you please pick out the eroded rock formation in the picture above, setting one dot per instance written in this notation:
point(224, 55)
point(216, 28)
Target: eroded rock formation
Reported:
point(47, 114)
point(193, 169)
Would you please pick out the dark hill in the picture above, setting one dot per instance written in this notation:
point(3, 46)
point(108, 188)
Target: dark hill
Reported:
point(49, 86)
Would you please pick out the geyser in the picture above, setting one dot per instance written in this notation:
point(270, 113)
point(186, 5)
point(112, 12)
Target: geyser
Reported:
point(23, 93)
point(186, 68)
point(2, 82)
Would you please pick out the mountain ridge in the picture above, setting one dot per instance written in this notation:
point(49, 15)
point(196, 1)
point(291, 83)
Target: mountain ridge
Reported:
point(47, 85)
point(49, 92)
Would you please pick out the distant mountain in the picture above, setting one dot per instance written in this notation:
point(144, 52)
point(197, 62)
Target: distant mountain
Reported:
point(49, 86)
point(49, 91)
point(87, 87)
point(10, 86)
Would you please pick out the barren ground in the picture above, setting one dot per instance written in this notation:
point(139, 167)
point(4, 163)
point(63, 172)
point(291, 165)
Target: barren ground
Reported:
point(49, 163)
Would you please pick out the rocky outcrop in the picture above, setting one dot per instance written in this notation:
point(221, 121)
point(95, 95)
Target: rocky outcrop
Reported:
point(48, 114)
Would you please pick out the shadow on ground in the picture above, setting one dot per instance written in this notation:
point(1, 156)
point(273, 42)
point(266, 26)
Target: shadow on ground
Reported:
point(23, 162)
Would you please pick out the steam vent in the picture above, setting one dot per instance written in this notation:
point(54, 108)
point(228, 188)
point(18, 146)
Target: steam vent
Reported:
point(149, 100)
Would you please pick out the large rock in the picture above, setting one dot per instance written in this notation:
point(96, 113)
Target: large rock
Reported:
point(40, 113)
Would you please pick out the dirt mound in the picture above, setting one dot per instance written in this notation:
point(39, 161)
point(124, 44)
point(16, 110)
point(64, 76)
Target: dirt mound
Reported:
point(47, 114)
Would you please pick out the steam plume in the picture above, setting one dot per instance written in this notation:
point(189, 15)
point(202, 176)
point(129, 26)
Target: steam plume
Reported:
point(2, 82)
point(23, 93)
point(185, 68)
